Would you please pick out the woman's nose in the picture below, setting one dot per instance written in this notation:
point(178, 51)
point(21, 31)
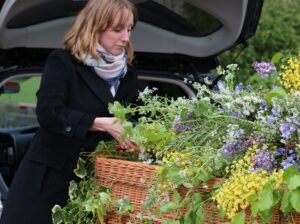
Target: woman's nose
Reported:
point(126, 36)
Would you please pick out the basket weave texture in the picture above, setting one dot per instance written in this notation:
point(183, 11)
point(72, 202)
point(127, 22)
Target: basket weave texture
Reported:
point(133, 179)
point(125, 178)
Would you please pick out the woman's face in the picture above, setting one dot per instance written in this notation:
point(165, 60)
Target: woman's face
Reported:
point(116, 37)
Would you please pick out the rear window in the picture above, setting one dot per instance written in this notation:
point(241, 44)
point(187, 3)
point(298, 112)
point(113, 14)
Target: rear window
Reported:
point(178, 16)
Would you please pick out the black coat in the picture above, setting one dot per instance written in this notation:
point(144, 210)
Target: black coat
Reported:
point(70, 97)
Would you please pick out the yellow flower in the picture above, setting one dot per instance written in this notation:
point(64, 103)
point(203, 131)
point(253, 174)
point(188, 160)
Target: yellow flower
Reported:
point(290, 75)
point(233, 194)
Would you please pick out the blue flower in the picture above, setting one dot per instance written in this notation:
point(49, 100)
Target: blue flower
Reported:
point(290, 160)
point(279, 152)
point(263, 105)
point(271, 119)
point(239, 87)
point(275, 112)
point(180, 126)
point(236, 114)
point(286, 129)
point(262, 160)
point(230, 149)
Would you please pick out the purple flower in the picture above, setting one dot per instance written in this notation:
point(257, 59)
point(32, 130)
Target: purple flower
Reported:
point(253, 140)
point(264, 69)
point(294, 121)
point(275, 112)
point(279, 152)
point(239, 87)
point(285, 157)
point(262, 160)
point(271, 119)
point(236, 114)
point(287, 129)
point(263, 105)
point(180, 126)
point(249, 142)
point(229, 149)
point(290, 160)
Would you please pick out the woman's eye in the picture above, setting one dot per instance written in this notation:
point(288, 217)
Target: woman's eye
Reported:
point(117, 29)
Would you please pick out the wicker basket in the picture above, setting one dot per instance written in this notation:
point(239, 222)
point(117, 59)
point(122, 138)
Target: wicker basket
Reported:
point(132, 179)
point(125, 178)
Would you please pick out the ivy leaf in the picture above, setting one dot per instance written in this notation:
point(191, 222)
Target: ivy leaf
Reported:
point(276, 92)
point(239, 218)
point(295, 199)
point(289, 173)
point(204, 175)
point(90, 206)
point(190, 217)
point(294, 182)
point(188, 185)
point(285, 205)
point(176, 197)
point(80, 170)
point(265, 198)
point(277, 57)
point(277, 196)
point(201, 213)
point(254, 208)
point(266, 215)
point(252, 197)
point(168, 207)
point(57, 216)
point(256, 79)
point(104, 198)
point(72, 190)
point(125, 205)
point(274, 76)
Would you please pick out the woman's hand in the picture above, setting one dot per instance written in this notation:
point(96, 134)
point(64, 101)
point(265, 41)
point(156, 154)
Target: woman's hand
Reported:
point(113, 126)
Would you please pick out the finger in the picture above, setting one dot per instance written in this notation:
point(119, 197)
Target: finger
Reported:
point(132, 147)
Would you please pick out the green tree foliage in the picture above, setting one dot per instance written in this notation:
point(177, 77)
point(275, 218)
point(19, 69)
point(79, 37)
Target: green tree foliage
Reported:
point(278, 31)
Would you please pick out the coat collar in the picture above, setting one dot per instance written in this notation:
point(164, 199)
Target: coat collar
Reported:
point(100, 88)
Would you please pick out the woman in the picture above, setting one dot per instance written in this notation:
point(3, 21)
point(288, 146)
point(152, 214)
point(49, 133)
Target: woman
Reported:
point(77, 84)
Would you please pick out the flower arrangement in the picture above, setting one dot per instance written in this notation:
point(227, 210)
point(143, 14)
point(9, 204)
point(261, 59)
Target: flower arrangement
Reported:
point(248, 134)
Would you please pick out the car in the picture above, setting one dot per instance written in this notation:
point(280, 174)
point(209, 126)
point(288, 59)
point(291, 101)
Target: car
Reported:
point(174, 40)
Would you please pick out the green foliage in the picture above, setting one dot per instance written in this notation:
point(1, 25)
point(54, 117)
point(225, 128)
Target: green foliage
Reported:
point(88, 201)
point(288, 196)
point(215, 134)
point(291, 197)
point(239, 218)
point(278, 31)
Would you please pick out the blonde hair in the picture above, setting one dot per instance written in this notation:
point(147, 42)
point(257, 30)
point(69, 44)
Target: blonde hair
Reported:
point(96, 17)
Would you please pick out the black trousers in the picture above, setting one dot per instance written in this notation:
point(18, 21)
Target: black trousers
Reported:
point(35, 189)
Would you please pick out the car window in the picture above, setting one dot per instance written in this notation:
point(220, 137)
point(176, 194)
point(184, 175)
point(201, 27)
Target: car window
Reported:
point(18, 97)
point(17, 102)
point(182, 17)
point(167, 89)
point(179, 16)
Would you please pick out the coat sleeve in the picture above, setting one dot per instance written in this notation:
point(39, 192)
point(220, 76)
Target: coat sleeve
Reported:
point(52, 110)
